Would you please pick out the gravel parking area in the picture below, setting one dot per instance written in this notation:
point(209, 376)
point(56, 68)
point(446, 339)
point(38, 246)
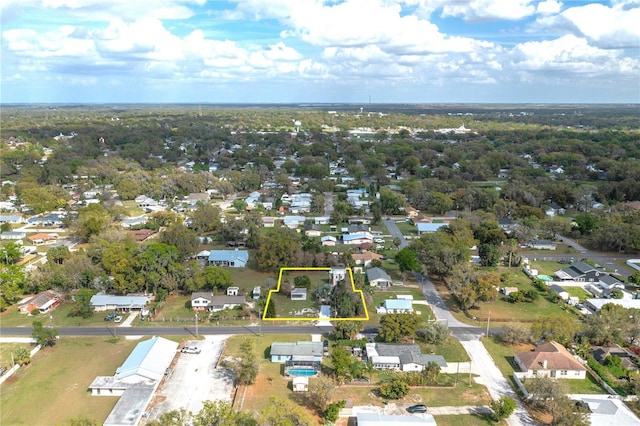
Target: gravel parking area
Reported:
point(193, 379)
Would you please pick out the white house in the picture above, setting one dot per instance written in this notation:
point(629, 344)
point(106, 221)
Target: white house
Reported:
point(402, 357)
point(549, 359)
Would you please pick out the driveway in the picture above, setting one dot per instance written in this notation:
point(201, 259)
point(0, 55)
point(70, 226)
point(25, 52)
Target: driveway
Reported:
point(394, 231)
point(193, 379)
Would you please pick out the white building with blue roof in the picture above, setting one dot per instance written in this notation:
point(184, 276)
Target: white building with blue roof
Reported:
point(229, 258)
point(395, 306)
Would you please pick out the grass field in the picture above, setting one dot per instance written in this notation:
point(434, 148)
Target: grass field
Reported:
point(56, 382)
point(7, 349)
point(466, 420)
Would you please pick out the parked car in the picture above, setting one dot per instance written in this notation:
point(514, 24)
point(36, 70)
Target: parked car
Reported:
point(420, 408)
point(118, 318)
point(110, 316)
point(190, 350)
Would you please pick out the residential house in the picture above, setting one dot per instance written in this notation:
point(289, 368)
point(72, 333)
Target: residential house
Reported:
point(268, 222)
point(43, 302)
point(401, 357)
point(206, 301)
point(42, 238)
point(551, 360)
point(365, 258)
point(288, 351)
point(299, 294)
point(11, 218)
point(141, 235)
point(328, 241)
point(378, 277)
point(322, 220)
point(604, 409)
point(13, 235)
point(337, 274)
point(580, 272)
point(507, 225)
point(232, 291)
point(104, 302)
point(395, 306)
point(203, 255)
point(555, 209)
point(378, 419)
point(628, 358)
point(411, 212)
point(312, 230)
point(596, 304)
point(605, 286)
point(293, 222)
point(228, 258)
point(561, 292)
point(541, 245)
point(359, 238)
point(428, 228)
point(129, 222)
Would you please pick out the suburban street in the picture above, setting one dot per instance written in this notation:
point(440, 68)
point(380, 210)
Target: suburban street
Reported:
point(394, 231)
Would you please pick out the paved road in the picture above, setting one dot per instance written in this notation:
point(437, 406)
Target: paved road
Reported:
point(604, 259)
point(394, 231)
point(172, 331)
point(481, 362)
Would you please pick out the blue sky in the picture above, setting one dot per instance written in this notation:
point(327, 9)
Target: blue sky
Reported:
point(324, 51)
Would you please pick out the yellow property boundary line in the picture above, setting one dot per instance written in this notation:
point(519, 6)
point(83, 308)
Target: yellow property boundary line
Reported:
point(277, 290)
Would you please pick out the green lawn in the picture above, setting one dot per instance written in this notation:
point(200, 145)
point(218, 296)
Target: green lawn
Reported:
point(7, 349)
point(57, 380)
point(466, 420)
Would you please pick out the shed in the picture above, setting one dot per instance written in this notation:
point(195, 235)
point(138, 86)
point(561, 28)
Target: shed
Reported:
point(299, 294)
point(300, 384)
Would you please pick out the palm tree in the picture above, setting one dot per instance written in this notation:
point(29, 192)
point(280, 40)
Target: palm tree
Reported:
point(368, 366)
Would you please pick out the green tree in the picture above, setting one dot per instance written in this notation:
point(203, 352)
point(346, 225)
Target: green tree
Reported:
point(271, 310)
point(320, 392)
point(9, 253)
point(395, 388)
point(221, 413)
point(431, 372)
point(174, 418)
point(303, 281)
point(81, 306)
point(58, 254)
point(280, 412)
point(397, 326)
point(559, 328)
point(247, 367)
point(43, 336)
point(332, 412)
point(182, 238)
point(345, 302)
point(407, 260)
point(12, 283)
point(566, 412)
point(489, 254)
point(341, 361)
point(347, 329)
point(91, 220)
point(435, 333)
point(503, 407)
point(205, 218)
point(278, 248)
point(22, 356)
point(213, 278)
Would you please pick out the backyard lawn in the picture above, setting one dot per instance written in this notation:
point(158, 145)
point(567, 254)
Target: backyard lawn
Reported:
point(56, 382)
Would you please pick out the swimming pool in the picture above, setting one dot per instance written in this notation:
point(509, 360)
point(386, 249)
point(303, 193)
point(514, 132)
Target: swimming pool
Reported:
point(545, 277)
point(304, 372)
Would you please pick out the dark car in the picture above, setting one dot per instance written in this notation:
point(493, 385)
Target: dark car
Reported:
point(110, 316)
point(420, 408)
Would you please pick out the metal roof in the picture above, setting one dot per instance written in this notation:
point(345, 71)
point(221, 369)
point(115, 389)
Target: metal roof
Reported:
point(148, 359)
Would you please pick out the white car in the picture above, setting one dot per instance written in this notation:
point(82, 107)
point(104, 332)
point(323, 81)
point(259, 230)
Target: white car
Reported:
point(190, 350)
point(118, 318)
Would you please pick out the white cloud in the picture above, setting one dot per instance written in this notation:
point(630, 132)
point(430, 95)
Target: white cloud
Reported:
point(548, 7)
point(485, 10)
point(572, 56)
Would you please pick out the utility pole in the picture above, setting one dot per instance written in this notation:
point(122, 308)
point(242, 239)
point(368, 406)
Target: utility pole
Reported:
point(488, 320)
point(196, 324)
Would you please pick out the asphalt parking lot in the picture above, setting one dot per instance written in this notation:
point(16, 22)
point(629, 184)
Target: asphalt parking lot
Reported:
point(194, 379)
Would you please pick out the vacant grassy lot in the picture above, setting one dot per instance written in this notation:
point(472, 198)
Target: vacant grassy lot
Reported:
point(465, 420)
point(59, 317)
point(56, 382)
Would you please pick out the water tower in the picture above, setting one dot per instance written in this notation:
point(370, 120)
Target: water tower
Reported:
point(297, 125)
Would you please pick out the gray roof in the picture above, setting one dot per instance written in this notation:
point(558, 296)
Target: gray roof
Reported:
point(131, 405)
point(297, 348)
point(374, 274)
point(119, 301)
point(408, 353)
point(609, 280)
point(557, 288)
